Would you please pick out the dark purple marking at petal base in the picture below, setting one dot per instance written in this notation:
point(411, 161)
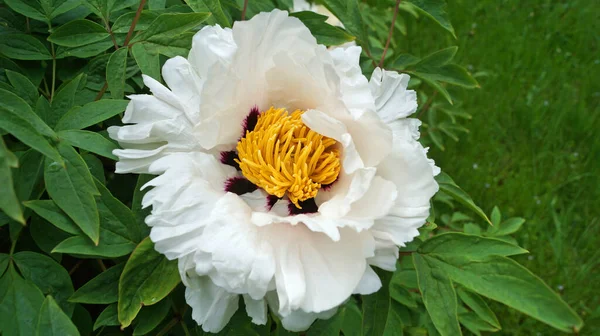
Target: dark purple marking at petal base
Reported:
point(271, 200)
point(239, 185)
point(308, 206)
point(228, 158)
point(251, 120)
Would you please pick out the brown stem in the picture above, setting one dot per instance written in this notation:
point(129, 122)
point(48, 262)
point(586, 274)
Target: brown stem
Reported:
point(75, 267)
point(427, 105)
point(389, 39)
point(244, 10)
point(368, 52)
point(102, 266)
point(135, 20)
point(102, 91)
point(169, 325)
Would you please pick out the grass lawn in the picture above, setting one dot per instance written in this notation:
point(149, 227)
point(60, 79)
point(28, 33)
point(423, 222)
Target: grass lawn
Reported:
point(534, 147)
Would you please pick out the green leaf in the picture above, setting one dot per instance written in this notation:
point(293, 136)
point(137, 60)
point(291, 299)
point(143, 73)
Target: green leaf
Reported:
point(471, 246)
point(150, 317)
point(24, 88)
point(48, 275)
point(96, 166)
point(46, 236)
point(78, 33)
point(170, 25)
point(82, 319)
point(401, 294)
point(148, 62)
point(438, 58)
point(478, 306)
point(448, 186)
point(136, 204)
point(111, 245)
point(352, 324)
point(124, 21)
point(23, 47)
point(102, 8)
point(171, 46)
point(28, 178)
point(436, 10)
point(17, 118)
point(324, 32)
point(91, 114)
point(147, 278)
point(20, 304)
point(496, 216)
point(507, 227)
point(431, 81)
point(439, 296)
point(4, 259)
point(53, 321)
point(64, 100)
point(108, 317)
point(453, 74)
point(328, 327)
point(380, 312)
point(49, 211)
point(85, 51)
point(72, 189)
point(103, 289)
point(115, 73)
point(9, 203)
point(117, 214)
point(43, 108)
point(54, 8)
point(504, 280)
point(29, 8)
point(474, 323)
point(216, 9)
point(119, 232)
point(403, 60)
point(348, 12)
point(90, 141)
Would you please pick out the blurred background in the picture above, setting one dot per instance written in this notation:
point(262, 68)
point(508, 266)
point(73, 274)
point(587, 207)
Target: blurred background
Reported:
point(533, 147)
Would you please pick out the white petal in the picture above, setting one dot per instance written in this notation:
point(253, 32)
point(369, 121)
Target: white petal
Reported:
point(243, 261)
point(354, 85)
point(256, 309)
point(410, 169)
point(146, 108)
point(212, 307)
point(392, 99)
point(337, 202)
point(369, 283)
point(297, 320)
point(315, 273)
point(335, 129)
point(231, 91)
point(386, 255)
point(376, 202)
point(137, 160)
point(185, 83)
point(211, 45)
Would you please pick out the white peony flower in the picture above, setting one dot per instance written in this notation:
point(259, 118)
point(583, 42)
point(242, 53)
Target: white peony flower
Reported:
point(284, 174)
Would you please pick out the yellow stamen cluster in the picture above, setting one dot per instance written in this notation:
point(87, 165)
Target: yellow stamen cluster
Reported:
point(282, 155)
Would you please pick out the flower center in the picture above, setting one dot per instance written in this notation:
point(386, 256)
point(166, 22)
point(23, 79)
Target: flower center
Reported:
point(282, 155)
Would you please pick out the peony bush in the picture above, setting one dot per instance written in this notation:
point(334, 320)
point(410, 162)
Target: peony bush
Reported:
point(241, 167)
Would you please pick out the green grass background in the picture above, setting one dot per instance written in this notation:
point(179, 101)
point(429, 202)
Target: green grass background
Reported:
point(534, 145)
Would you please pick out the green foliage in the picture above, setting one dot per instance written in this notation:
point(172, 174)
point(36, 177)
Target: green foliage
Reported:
point(53, 321)
point(66, 67)
point(147, 278)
